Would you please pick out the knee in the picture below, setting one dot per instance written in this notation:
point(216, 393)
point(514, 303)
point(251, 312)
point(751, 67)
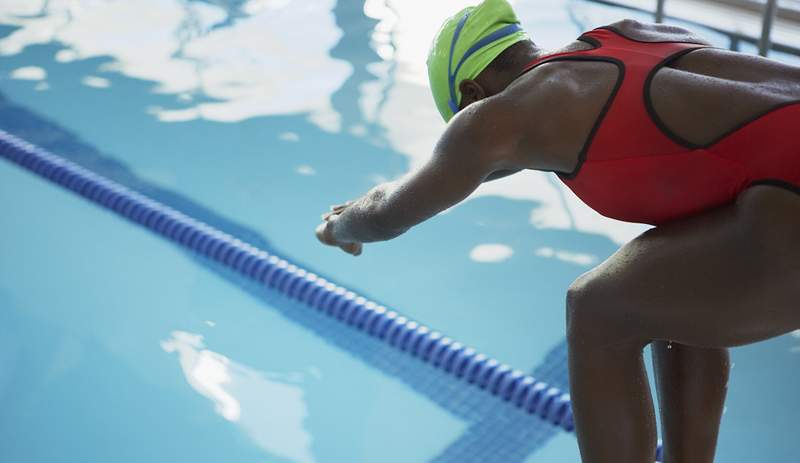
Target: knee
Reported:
point(588, 314)
point(598, 314)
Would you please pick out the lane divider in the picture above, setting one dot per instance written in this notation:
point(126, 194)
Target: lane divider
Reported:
point(510, 385)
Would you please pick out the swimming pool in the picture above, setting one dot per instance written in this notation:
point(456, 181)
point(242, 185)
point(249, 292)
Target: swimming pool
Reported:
point(136, 338)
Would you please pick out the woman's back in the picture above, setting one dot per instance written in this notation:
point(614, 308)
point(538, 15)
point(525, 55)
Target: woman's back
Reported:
point(633, 93)
point(709, 91)
point(698, 96)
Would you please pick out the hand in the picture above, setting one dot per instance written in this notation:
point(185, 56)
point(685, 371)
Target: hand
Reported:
point(324, 233)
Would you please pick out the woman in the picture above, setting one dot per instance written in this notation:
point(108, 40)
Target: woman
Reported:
point(645, 123)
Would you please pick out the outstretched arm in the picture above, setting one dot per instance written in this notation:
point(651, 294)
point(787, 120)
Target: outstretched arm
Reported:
point(469, 152)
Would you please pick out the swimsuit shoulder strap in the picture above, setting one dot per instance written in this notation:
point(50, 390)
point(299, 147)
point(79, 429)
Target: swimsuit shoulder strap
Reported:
point(585, 37)
point(610, 42)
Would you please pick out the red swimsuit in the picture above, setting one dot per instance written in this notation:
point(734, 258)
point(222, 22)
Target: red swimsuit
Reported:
point(633, 168)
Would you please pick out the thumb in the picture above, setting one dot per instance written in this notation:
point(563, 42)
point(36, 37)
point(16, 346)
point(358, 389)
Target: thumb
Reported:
point(352, 248)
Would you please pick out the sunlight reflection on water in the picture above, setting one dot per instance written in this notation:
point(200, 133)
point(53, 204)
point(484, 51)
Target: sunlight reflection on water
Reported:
point(271, 411)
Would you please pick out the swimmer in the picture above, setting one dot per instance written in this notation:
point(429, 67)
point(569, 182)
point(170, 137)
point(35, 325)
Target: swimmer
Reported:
point(646, 123)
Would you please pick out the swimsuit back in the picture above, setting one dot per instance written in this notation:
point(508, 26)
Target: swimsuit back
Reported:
point(632, 168)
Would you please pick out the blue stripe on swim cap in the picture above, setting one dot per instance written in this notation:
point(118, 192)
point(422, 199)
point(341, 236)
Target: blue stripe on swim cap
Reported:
point(494, 36)
point(450, 76)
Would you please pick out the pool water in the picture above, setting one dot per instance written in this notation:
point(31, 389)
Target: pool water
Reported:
point(116, 344)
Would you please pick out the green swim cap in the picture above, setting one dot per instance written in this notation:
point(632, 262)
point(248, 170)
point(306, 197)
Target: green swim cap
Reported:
point(465, 45)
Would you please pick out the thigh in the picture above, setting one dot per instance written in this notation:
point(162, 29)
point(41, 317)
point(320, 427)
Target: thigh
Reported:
point(726, 277)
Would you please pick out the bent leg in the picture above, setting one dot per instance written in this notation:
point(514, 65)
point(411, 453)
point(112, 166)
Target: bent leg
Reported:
point(727, 277)
point(611, 403)
point(692, 383)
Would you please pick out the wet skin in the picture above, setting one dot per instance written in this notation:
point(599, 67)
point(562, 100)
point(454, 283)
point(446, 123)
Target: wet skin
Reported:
point(722, 278)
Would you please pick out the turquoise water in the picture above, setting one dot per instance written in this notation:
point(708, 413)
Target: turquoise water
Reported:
point(255, 116)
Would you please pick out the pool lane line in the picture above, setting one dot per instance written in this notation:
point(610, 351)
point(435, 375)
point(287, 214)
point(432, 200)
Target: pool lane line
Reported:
point(511, 385)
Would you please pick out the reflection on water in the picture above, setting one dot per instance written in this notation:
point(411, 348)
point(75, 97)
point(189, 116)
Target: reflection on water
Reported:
point(96, 82)
point(205, 370)
point(577, 258)
point(269, 407)
point(28, 73)
point(492, 252)
point(272, 60)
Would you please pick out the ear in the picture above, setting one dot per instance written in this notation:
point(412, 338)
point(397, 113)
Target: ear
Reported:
point(471, 92)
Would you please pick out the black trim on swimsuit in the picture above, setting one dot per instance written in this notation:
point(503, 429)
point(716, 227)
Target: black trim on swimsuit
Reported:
point(648, 104)
point(620, 33)
point(620, 78)
point(591, 41)
point(776, 183)
point(599, 120)
point(677, 138)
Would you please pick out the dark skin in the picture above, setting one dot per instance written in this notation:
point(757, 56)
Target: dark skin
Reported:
point(690, 288)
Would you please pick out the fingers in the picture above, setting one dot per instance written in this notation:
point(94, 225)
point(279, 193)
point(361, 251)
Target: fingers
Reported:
point(337, 209)
point(341, 207)
point(324, 236)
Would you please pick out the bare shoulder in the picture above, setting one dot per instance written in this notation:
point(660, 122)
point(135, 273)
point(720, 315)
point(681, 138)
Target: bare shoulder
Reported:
point(485, 132)
point(652, 32)
point(551, 109)
point(502, 128)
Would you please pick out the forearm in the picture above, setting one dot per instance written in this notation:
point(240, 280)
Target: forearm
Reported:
point(365, 220)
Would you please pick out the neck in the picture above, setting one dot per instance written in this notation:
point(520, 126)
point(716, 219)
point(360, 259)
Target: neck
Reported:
point(508, 66)
point(518, 56)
